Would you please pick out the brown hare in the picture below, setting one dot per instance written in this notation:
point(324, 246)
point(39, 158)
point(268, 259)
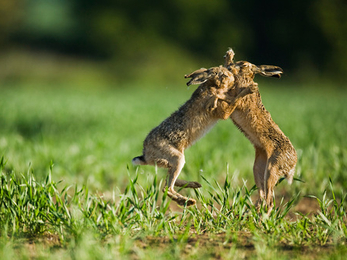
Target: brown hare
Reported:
point(275, 156)
point(164, 146)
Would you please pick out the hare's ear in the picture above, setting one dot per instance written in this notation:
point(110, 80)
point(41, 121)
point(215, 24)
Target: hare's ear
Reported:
point(228, 58)
point(197, 77)
point(269, 71)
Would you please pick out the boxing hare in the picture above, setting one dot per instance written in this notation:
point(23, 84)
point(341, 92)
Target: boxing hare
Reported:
point(165, 144)
point(275, 156)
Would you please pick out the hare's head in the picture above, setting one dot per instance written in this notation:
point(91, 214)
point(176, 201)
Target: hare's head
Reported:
point(269, 71)
point(218, 76)
point(248, 69)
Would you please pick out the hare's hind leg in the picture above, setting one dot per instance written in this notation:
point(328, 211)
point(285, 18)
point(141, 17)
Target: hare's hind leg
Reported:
point(175, 167)
point(187, 184)
point(259, 169)
point(271, 178)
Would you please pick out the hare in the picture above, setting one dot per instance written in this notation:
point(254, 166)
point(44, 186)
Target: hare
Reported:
point(164, 146)
point(275, 156)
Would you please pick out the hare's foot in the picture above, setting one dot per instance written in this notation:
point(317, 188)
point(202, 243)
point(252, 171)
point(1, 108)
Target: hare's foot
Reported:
point(262, 207)
point(260, 204)
point(191, 202)
point(181, 200)
point(187, 184)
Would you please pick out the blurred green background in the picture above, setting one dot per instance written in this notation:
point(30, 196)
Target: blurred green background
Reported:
point(117, 41)
point(82, 83)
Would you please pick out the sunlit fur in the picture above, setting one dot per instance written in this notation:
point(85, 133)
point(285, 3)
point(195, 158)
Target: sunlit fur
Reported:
point(165, 144)
point(275, 156)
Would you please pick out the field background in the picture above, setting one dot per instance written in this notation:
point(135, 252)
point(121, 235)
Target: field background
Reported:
point(85, 139)
point(83, 82)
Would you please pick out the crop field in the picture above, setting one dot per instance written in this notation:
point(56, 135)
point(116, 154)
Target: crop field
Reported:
point(68, 189)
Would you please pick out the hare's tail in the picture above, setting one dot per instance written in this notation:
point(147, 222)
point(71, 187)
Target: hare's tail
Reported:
point(139, 160)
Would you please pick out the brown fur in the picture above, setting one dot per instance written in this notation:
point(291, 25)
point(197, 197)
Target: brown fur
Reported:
point(275, 156)
point(164, 146)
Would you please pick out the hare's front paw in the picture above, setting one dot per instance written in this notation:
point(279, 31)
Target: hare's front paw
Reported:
point(212, 104)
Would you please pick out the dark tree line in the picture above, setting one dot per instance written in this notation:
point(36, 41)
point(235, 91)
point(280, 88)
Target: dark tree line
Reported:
point(296, 34)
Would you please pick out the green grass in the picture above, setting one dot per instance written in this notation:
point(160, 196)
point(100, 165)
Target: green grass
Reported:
point(68, 189)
